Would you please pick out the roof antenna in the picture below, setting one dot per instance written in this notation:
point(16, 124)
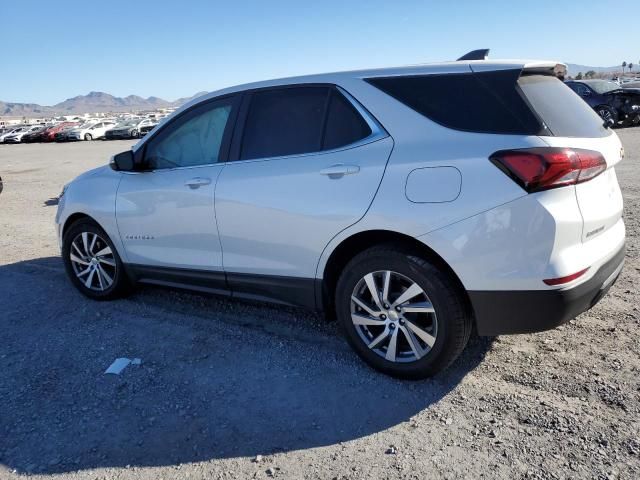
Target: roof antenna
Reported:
point(480, 54)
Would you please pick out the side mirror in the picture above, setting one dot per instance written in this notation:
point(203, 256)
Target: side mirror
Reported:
point(122, 162)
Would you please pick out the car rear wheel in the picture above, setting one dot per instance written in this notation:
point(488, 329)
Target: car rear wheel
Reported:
point(88, 137)
point(134, 134)
point(608, 114)
point(401, 314)
point(92, 262)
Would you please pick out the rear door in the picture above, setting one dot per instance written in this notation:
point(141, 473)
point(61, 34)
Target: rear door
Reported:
point(308, 161)
point(573, 124)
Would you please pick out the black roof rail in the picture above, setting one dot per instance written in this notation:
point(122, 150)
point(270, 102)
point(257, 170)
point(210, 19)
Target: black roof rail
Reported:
point(480, 54)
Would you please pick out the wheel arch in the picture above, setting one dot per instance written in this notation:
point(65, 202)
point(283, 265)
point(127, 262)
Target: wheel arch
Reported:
point(361, 241)
point(73, 218)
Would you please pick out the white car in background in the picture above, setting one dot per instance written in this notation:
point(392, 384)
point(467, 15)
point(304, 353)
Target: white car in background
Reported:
point(16, 135)
point(10, 132)
point(90, 131)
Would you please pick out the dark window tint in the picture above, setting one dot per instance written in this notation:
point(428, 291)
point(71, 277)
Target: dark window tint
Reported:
point(281, 122)
point(477, 102)
point(564, 113)
point(344, 123)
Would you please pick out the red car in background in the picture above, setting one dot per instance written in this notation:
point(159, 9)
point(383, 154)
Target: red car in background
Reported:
point(49, 134)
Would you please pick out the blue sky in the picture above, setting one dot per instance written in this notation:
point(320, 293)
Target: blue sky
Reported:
point(176, 48)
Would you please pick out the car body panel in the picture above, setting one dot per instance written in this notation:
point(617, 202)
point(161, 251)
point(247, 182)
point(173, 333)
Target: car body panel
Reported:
point(162, 222)
point(276, 216)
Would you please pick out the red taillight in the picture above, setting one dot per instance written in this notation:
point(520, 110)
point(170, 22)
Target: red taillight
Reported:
point(567, 279)
point(536, 169)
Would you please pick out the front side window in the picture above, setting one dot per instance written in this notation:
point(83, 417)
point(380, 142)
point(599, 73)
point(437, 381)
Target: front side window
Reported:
point(196, 139)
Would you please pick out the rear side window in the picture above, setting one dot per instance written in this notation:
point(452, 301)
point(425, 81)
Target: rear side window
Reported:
point(564, 113)
point(344, 123)
point(300, 120)
point(485, 102)
point(282, 122)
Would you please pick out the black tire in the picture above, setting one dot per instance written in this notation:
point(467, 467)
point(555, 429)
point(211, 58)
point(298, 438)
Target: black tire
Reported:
point(454, 323)
point(88, 137)
point(120, 285)
point(134, 134)
point(607, 112)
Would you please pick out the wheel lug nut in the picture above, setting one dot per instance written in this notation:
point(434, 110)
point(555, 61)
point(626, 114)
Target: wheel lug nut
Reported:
point(392, 326)
point(383, 317)
point(398, 309)
point(386, 306)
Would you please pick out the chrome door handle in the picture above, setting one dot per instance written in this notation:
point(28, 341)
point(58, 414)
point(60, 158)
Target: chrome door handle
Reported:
point(340, 170)
point(197, 182)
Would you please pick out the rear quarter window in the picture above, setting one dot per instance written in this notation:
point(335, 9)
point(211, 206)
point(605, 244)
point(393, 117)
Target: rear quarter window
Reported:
point(499, 102)
point(486, 102)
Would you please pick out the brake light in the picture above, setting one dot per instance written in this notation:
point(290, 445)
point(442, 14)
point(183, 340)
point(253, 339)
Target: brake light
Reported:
point(543, 168)
point(567, 279)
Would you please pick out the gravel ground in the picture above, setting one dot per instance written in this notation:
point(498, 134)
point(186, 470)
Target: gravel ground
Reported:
point(239, 390)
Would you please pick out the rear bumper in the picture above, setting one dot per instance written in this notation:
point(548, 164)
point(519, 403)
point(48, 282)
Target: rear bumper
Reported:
point(526, 311)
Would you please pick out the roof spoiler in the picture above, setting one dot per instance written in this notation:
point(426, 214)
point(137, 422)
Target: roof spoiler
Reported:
point(480, 54)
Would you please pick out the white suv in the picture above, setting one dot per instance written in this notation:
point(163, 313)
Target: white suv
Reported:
point(90, 131)
point(410, 203)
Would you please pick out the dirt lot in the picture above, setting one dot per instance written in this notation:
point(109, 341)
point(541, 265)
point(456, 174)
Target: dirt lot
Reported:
point(236, 390)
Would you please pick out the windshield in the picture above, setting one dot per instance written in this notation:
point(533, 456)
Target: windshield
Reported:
point(603, 86)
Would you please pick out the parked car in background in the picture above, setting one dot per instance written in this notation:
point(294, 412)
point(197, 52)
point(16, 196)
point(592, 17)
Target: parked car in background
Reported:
point(367, 195)
point(34, 136)
point(148, 127)
point(49, 134)
point(128, 129)
point(16, 137)
point(90, 131)
point(63, 135)
point(613, 103)
point(10, 131)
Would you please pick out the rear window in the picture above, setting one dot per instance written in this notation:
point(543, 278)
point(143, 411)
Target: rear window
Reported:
point(499, 102)
point(564, 113)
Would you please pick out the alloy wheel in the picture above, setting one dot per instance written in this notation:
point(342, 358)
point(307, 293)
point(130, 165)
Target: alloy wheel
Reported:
point(93, 261)
point(394, 316)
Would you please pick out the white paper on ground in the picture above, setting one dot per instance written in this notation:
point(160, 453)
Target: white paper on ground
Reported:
point(118, 365)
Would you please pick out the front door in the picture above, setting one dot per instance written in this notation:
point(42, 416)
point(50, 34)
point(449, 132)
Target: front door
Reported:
point(165, 212)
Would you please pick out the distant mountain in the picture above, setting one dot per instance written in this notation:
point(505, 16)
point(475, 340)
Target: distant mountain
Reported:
point(574, 69)
point(103, 102)
point(183, 100)
point(90, 103)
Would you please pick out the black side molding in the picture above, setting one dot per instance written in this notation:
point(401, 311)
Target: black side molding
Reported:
point(293, 291)
point(528, 311)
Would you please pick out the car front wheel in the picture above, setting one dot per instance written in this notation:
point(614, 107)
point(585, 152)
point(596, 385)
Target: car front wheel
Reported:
point(403, 315)
point(92, 262)
point(88, 137)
